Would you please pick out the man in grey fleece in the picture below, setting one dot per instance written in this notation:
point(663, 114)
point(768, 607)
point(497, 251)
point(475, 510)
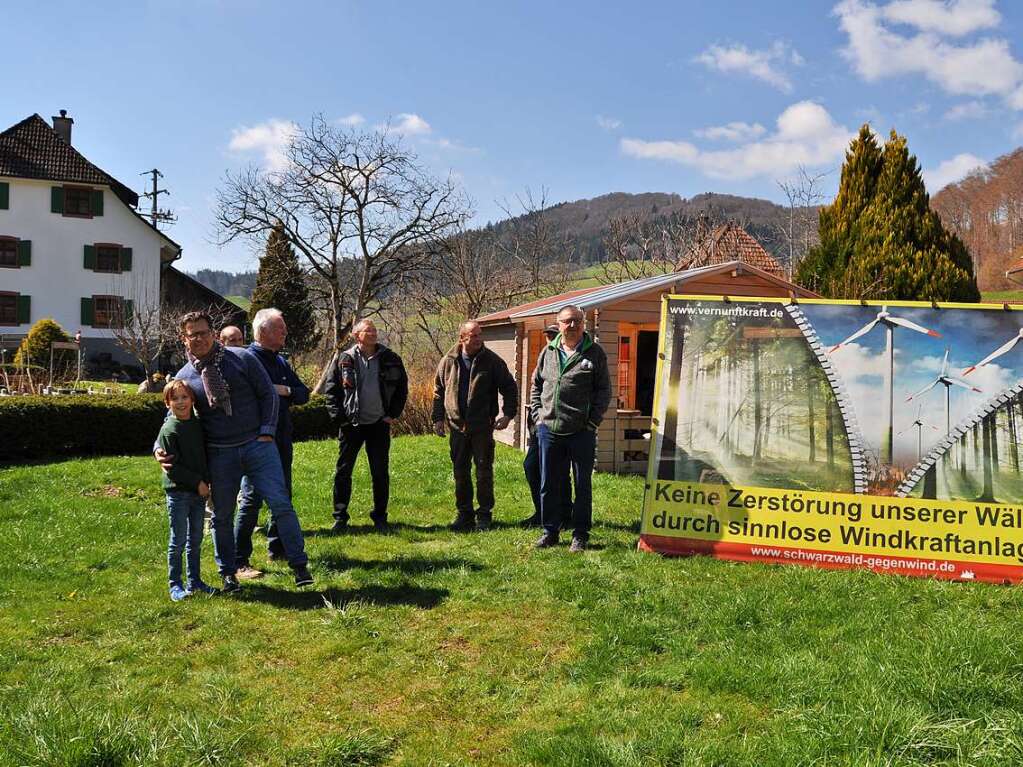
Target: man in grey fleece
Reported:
point(571, 391)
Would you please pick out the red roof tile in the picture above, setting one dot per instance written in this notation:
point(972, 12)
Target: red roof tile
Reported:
point(730, 242)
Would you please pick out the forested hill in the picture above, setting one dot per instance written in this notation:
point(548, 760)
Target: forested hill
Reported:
point(986, 210)
point(585, 221)
point(227, 283)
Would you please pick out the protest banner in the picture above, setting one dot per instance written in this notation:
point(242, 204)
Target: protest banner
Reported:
point(839, 434)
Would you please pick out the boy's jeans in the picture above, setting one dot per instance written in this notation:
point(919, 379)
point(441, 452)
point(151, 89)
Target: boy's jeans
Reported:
point(186, 512)
point(261, 463)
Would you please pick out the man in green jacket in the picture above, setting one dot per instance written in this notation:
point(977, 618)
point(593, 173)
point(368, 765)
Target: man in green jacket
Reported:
point(469, 378)
point(571, 391)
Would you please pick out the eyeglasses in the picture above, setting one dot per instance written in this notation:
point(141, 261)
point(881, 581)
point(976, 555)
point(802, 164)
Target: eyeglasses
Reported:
point(198, 334)
point(571, 322)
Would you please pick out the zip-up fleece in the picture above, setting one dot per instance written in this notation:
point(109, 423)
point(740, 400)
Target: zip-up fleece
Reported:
point(571, 397)
point(488, 376)
point(342, 389)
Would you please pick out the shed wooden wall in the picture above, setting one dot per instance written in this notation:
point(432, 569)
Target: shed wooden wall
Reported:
point(504, 341)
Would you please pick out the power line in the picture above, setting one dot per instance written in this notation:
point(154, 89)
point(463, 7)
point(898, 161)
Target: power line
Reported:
point(156, 215)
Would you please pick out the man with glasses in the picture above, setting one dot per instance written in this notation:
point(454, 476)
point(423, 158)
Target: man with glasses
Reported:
point(238, 408)
point(571, 390)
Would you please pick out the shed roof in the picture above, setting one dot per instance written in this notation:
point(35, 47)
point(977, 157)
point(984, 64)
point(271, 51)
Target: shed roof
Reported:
point(592, 298)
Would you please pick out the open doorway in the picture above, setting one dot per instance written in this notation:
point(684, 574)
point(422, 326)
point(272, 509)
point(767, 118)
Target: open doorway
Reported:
point(646, 370)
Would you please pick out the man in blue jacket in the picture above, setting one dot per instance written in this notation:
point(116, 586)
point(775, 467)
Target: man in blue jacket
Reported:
point(238, 409)
point(271, 332)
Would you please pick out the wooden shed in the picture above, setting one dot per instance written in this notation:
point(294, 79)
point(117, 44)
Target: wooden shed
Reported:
point(624, 318)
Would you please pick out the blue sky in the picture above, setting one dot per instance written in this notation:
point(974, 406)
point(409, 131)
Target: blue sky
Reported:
point(580, 98)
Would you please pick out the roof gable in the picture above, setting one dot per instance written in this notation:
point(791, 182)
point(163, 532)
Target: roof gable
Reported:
point(32, 149)
point(730, 242)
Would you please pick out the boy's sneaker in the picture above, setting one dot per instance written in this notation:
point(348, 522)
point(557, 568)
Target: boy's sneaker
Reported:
point(230, 583)
point(198, 587)
point(247, 572)
point(546, 541)
point(578, 545)
point(302, 576)
point(177, 592)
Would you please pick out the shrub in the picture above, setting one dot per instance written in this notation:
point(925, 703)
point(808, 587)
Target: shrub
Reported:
point(417, 418)
point(35, 347)
point(39, 427)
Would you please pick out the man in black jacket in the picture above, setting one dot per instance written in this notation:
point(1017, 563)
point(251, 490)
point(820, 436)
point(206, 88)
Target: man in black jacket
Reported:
point(469, 378)
point(367, 388)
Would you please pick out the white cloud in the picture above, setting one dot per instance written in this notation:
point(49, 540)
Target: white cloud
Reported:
point(733, 131)
point(955, 18)
point(982, 67)
point(608, 123)
point(950, 171)
point(453, 146)
point(763, 65)
point(270, 138)
point(351, 120)
point(407, 124)
point(806, 135)
point(968, 110)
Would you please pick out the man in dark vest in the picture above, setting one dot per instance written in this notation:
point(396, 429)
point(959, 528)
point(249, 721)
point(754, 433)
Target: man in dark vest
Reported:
point(469, 378)
point(366, 390)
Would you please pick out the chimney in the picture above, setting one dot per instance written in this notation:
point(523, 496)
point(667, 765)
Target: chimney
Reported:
point(62, 125)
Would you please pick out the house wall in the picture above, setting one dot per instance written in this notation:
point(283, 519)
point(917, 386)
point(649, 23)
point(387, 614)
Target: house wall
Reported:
point(57, 280)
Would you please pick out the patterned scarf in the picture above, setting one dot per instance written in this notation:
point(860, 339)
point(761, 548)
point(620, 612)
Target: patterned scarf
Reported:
point(217, 392)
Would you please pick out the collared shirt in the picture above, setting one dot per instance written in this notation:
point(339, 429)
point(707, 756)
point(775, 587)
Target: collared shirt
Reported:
point(371, 402)
point(564, 355)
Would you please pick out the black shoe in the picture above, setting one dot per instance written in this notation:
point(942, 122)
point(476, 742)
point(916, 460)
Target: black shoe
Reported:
point(533, 521)
point(546, 541)
point(578, 545)
point(483, 522)
point(302, 576)
point(339, 526)
point(381, 526)
point(463, 523)
point(230, 583)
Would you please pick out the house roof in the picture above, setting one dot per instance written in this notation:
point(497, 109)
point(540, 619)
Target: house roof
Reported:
point(592, 298)
point(1016, 268)
point(730, 242)
point(32, 149)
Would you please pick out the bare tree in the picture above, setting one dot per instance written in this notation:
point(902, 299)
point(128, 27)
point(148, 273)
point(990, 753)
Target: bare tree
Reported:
point(635, 247)
point(533, 243)
point(798, 232)
point(138, 324)
point(357, 206)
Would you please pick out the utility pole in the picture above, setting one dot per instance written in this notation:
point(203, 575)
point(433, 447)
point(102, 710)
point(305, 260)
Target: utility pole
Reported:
point(156, 215)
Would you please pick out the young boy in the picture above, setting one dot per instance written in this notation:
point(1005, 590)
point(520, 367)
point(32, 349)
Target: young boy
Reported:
point(186, 487)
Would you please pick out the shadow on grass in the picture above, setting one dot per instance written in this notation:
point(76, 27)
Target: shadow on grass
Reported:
point(413, 596)
point(404, 565)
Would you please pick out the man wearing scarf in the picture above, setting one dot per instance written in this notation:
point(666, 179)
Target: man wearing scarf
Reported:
point(238, 409)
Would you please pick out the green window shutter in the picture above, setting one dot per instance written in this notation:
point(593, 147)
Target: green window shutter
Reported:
point(87, 315)
point(90, 257)
point(96, 202)
point(25, 253)
point(125, 259)
point(129, 308)
point(24, 310)
point(56, 199)
point(5, 195)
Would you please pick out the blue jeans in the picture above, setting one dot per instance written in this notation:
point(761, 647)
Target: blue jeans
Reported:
point(186, 511)
point(251, 502)
point(559, 452)
point(261, 463)
point(531, 466)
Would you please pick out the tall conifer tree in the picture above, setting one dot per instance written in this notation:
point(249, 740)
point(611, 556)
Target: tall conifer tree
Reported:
point(880, 239)
point(280, 284)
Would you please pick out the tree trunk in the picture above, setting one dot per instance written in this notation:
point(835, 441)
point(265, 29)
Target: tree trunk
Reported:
point(988, 493)
point(811, 417)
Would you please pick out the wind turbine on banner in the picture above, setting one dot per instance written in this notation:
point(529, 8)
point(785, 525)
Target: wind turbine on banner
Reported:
point(948, 382)
point(919, 423)
point(996, 353)
point(885, 318)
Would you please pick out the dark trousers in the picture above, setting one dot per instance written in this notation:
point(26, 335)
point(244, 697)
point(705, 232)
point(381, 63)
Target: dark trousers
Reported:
point(377, 439)
point(250, 502)
point(468, 448)
point(558, 452)
point(531, 466)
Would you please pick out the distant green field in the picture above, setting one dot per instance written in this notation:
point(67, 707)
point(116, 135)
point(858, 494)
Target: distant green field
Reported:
point(1000, 296)
point(242, 301)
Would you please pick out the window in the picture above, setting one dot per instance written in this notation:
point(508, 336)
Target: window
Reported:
point(77, 201)
point(8, 252)
point(107, 311)
point(108, 258)
point(8, 308)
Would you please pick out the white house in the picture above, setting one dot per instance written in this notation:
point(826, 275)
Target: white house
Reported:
point(72, 245)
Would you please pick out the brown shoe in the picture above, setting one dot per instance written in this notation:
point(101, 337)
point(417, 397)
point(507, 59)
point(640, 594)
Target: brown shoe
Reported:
point(248, 573)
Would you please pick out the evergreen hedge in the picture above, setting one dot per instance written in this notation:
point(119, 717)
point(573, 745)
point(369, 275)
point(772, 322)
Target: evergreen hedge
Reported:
point(42, 427)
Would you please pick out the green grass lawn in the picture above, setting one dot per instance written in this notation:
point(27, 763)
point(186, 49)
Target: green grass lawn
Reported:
point(430, 648)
